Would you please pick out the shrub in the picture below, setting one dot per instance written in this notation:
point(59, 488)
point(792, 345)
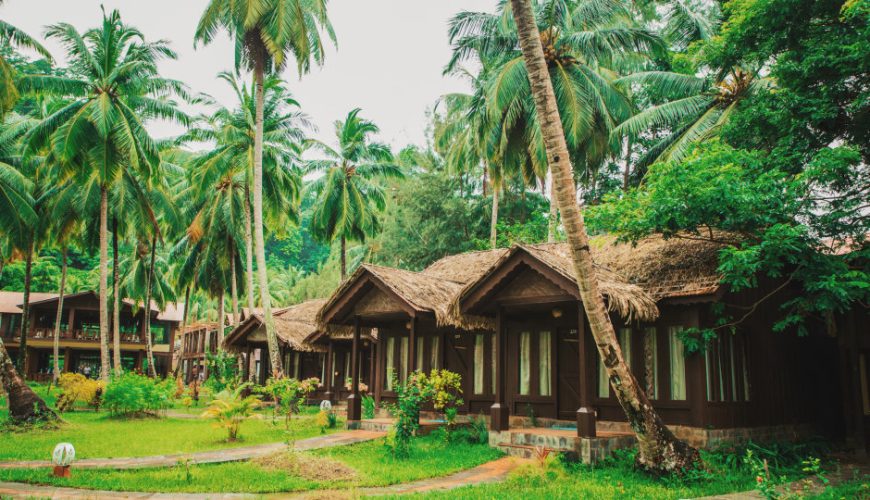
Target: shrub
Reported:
point(289, 394)
point(75, 388)
point(223, 371)
point(409, 397)
point(137, 395)
point(445, 390)
point(368, 407)
point(230, 409)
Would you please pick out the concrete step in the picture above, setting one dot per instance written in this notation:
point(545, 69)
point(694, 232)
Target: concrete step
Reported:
point(527, 452)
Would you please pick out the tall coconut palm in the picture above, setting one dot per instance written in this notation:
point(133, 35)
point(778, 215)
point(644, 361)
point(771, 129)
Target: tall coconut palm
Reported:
point(588, 44)
point(266, 32)
point(113, 86)
point(231, 131)
point(659, 450)
point(349, 189)
point(10, 36)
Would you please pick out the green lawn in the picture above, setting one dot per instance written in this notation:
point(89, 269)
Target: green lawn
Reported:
point(98, 435)
point(371, 460)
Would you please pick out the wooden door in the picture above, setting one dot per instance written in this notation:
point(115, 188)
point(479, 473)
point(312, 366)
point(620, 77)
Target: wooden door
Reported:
point(457, 358)
point(568, 385)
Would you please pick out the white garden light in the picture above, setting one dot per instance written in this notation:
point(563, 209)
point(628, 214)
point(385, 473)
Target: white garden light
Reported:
point(325, 405)
point(62, 457)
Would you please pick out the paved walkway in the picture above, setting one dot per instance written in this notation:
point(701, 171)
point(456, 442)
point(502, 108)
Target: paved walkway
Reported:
point(489, 472)
point(207, 457)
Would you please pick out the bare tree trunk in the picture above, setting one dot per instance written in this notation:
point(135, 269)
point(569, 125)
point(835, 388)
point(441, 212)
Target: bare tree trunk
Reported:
point(116, 301)
point(343, 258)
point(659, 450)
point(58, 317)
point(25, 407)
point(176, 352)
point(249, 252)
point(146, 320)
point(493, 221)
point(234, 290)
point(626, 172)
point(25, 309)
point(104, 284)
point(259, 240)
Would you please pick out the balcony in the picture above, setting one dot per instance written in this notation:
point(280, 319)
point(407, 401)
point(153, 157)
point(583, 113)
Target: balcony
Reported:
point(85, 335)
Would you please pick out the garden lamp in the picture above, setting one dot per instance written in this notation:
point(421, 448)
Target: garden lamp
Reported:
point(62, 457)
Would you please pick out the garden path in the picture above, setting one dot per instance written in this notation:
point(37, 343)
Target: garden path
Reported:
point(496, 470)
point(207, 457)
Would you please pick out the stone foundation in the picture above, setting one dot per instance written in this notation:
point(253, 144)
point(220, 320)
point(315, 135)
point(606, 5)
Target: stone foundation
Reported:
point(712, 438)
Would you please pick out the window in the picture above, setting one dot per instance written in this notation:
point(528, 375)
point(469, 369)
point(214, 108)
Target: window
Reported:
point(525, 362)
point(651, 362)
point(391, 363)
point(492, 349)
point(421, 342)
point(403, 357)
point(348, 357)
point(726, 369)
point(603, 380)
point(678, 364)
point(322, 361)
point(435, 361)
point(478, 363)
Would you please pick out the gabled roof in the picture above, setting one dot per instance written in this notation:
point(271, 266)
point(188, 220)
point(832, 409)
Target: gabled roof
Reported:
point(10, 301)
point(173, 312)
point(292, 325)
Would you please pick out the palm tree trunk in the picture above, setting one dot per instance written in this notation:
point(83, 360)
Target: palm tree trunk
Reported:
point(249, 252)
point(25, 407)
point(116, 301)
point(104, 284)
point(553, 223)
point(146, 320)
point(176, 352)
point(343, 258)
point(222, 314)
point(626, 172)
point(234, 290)
point(659, 449)
point(25, 309)
point(493, 221)
point(58, 317)
point(259, 243)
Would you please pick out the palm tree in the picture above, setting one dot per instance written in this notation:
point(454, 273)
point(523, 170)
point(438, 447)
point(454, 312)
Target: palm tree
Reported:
point(231, 131)
point(349, 190)
point(659, 450)
point(265, 32)
point(113, 86)
point(10, 36)
point(587, 45)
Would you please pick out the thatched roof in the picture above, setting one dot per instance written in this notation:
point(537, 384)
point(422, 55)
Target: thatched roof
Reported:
point(10, 301)
point(292, 325)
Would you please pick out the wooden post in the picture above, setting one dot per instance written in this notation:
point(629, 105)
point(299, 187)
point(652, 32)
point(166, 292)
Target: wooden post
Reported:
point(70, 327)
point(354, 406)
point(67, 355)
point(499, 413)
point(248, 357)
point(371, 379)
point(412, 348)
point(327, 384)
point(585, 414)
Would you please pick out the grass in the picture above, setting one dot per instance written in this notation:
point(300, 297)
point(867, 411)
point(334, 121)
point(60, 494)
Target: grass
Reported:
point(99, 435)
point(371, 460)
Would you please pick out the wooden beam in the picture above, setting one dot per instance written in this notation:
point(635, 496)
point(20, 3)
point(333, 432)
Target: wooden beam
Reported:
point(499, 413)
point(327, 384)
point(412, 348)
point(585, 414)
point(354, 408)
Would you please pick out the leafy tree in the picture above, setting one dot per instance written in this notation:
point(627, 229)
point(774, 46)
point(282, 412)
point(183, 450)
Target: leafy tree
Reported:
point(349, 190)
point(265, 33)
point(12, 36)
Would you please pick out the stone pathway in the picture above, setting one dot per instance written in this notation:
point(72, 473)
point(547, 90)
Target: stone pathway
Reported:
point(490, 472)
point(207, 457)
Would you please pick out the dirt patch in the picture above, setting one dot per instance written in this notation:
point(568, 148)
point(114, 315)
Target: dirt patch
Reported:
point(307, 466)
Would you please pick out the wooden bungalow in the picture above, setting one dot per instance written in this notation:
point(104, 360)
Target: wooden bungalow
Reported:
point(511, 324)
point(293, 325)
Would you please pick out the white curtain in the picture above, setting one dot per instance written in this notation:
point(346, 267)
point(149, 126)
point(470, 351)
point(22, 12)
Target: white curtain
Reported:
point(544, 356)
point(403, 357)
point(603, 381)
point(347, 373)
point(435, 361)
point(625, 345)
point(746, 370)
point(478, 363)
point(678, 364)
point(391, 363)
point(525, 362)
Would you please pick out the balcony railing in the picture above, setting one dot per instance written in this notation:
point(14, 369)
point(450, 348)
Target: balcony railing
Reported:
point(87, 335)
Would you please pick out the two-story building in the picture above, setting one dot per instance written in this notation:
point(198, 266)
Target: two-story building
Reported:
point(80, 333)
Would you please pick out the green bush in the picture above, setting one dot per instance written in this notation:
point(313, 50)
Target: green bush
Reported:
point(223, 371)
point(132, 395)
point(368, 407)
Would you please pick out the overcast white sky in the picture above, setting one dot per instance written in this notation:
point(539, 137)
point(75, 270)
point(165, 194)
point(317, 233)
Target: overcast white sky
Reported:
point(389, 57)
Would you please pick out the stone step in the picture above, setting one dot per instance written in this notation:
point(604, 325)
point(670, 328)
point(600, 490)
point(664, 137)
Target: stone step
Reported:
point(527, 452)
point(562, 443)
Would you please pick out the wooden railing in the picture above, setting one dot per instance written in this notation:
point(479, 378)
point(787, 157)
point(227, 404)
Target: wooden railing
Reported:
point(86, 335)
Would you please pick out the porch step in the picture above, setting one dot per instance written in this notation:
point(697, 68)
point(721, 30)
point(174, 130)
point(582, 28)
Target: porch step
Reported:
point(527, 452)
